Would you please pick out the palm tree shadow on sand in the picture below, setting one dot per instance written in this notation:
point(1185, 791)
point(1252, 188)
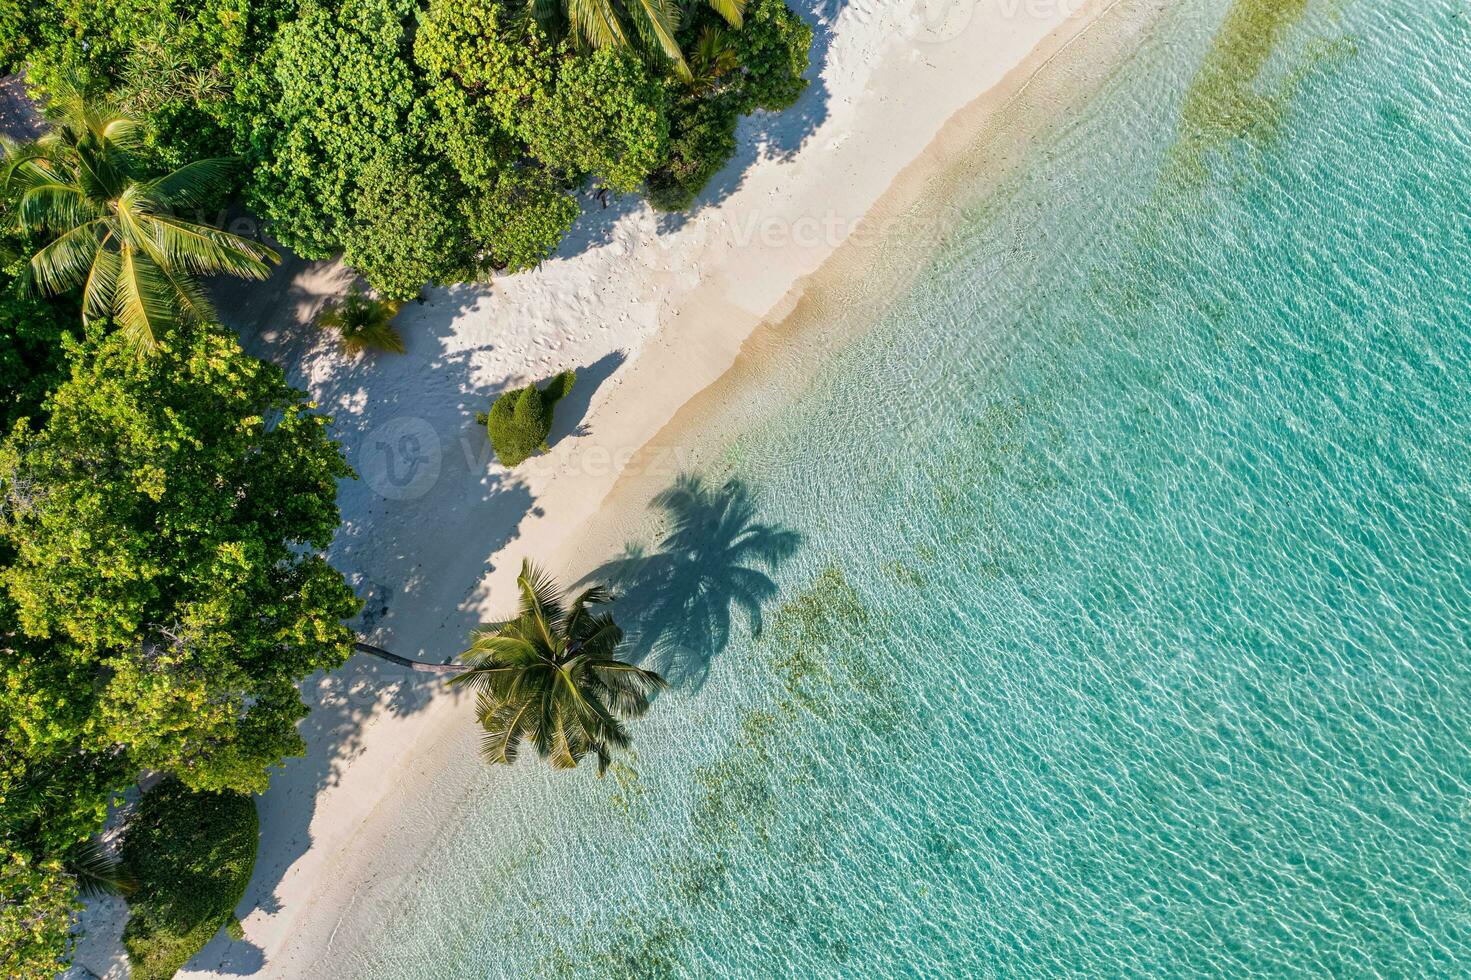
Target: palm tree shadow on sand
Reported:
point(679, 602)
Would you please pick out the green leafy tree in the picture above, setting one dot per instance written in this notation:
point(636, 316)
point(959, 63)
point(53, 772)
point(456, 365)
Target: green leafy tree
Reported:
point(112, 232)
point(522, 218)
point(189, 69)
point(702, 139)
point(486, 66)
point(164, 526)
point(342, 89)
point(363, 323)
point(551, 677)
point(760, 66)
point(38, 901)
point(623, 141)
point(520, 420)
point(404, 231)
point(773, 49)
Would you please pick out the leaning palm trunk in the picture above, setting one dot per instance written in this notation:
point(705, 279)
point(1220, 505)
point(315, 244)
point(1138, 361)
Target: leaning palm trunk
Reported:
point(117, 236)
point(550, 677)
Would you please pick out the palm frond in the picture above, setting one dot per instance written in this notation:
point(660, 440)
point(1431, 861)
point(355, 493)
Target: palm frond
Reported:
point(560, 751)
point(101, 283)
point(203, 250)
point(142, 306)
point(193, 305)
point(657, 21)
point(541, 599)
point(121, 130)
point(732, 10)
point(596, 23)
point(599, 637)
point(630, 689)
point(63, 264)
point(194, 184)
point(96, 873)
point(544, 12)
point(53, 206)
point(505, 726)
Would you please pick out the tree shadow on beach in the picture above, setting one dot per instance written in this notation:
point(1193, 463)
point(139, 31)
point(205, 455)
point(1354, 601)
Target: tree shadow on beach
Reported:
point(679, 602)
point(570, 417)
point(422, 521)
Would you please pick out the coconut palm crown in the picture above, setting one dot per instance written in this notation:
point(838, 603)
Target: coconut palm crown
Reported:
point(550, 677)
point(363, 323)
point(116, 234)
point(633, 23)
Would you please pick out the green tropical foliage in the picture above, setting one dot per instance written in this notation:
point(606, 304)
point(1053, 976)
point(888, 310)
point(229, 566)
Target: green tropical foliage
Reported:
point(732, 73)
point(96, 872)
point(520, 420)
point(161, 594)
point(191, 855)
point(113, 233)
point(163, 529)
point(363, 323)
point(430, 143)
point(619, 145)
point(650, 25)
point(37, 903)
point(551, 678)
point(32, 358)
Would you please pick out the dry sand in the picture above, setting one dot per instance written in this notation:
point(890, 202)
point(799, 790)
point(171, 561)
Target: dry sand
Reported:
point(652, 310)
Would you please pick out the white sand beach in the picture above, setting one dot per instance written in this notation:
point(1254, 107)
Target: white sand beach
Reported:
point(651, 310)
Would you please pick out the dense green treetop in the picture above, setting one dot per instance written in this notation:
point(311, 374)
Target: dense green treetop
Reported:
point(163, 524)
point(619, 143)
point(32, 361)
point(186, 65)
point(37, 902)
point(486, 67)
point(344, 89)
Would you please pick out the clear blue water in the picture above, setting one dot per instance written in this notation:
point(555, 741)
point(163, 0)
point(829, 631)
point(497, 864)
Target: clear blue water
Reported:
point(1114, 590)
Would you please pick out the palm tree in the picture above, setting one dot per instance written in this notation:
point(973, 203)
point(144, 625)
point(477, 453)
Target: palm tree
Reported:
point(96, 872)
point(634, 23)
point(116, 234)
point(550, 677)
point(362, 323)
point(713, 58)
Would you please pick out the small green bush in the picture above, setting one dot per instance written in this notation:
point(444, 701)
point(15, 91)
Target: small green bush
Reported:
point(191, 855)
point(520, 420)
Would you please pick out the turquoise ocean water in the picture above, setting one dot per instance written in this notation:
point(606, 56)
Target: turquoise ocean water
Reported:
point(1114, 591)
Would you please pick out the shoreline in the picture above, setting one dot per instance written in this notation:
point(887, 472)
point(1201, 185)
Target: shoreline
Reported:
point(371, 793)
point(851, 292)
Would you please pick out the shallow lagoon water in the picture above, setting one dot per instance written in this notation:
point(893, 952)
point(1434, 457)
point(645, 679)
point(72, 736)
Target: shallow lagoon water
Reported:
point(1113, 591)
